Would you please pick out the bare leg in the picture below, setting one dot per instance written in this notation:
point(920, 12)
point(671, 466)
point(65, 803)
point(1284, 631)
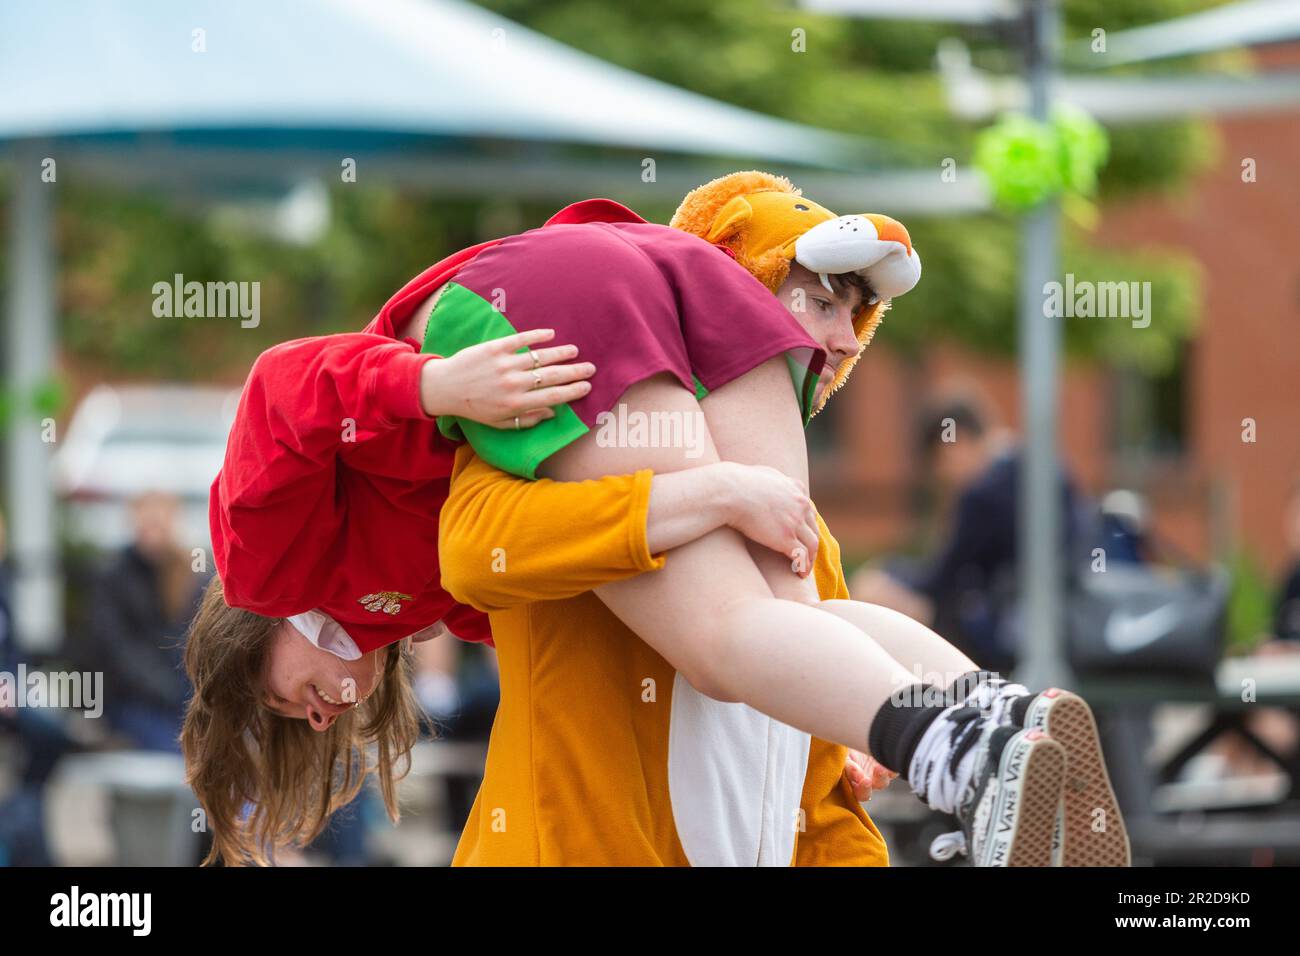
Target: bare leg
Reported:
point(710, 611)
point(875, 586)
point(741, 433)
point(930, 658)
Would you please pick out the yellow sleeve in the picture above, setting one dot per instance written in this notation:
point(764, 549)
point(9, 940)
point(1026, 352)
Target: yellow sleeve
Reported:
point(836, 829)
point(827, 570)
point(505, 541)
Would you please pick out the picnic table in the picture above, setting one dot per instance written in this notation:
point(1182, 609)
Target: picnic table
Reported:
point(1173, 823)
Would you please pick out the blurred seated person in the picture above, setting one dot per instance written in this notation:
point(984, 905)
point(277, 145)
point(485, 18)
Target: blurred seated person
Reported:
point(41, 741)
point(1277, 727)
point(1286, 617)
point(1125, 529)
point(141, 607)
point(964, 589)
point(457, 686)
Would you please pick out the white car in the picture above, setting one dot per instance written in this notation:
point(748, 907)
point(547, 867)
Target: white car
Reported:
point(124, 440)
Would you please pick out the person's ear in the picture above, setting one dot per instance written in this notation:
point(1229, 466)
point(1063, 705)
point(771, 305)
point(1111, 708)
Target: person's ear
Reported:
point(730, 219)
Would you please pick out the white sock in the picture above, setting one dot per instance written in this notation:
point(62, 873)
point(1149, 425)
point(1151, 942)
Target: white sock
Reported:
point(928, 772)
point(994, 699)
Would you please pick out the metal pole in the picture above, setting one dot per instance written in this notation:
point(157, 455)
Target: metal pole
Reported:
point(29, 340)
point(1042, 660)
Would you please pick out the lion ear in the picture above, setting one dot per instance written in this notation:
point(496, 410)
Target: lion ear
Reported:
point(730, 219)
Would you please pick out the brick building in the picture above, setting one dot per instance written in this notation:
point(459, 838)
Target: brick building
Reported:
point(1209, 490)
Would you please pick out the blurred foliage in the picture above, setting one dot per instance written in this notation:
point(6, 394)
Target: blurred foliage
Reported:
point(46, 399)
point(1160, 157)
point(969, 294)
point(1250, 604)
point(872, 78)
point(878, 79)
point(125, 243)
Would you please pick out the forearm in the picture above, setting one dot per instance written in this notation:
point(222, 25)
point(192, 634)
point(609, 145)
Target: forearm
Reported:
point(687, 505)
point(506, 541)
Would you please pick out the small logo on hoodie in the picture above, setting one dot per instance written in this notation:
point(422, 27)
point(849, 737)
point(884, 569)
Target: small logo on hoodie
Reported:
point(390, 602)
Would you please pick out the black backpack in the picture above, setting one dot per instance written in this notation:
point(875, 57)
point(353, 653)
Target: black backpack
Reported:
point(1137, 618)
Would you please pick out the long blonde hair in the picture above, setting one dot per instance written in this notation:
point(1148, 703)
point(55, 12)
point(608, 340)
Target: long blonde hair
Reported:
point(266, 781)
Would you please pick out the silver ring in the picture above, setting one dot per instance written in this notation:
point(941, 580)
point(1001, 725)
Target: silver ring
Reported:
point(517, 426)
point(536, 361)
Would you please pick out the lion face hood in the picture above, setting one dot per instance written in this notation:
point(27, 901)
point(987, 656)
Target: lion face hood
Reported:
point(766, 223)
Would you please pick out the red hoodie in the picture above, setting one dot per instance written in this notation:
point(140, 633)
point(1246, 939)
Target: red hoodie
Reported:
point(329, 496)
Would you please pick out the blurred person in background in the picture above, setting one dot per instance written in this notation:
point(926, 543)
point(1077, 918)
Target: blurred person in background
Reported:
point(457, 686)
point(143, 601)
point(1286, 616)
point(1125, 528)
point(1277, 727)
point(962, 591)
point(41, 741)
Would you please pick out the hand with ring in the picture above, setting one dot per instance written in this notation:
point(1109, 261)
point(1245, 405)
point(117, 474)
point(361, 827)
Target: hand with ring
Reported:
point(505, 383)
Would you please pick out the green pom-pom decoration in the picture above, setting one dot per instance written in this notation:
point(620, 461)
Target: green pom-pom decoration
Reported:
point(1019, 157)
point(1027, 162)
point(1083, 148)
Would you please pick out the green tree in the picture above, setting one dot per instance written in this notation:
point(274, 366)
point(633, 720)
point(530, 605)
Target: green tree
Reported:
point(872, 78)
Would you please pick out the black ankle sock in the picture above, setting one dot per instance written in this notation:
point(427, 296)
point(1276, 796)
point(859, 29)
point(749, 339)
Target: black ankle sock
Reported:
point(1020, 707)
point(899, 723)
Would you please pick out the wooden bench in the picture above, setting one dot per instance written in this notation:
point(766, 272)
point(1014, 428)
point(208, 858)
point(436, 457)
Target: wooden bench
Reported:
point(1210, 822)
